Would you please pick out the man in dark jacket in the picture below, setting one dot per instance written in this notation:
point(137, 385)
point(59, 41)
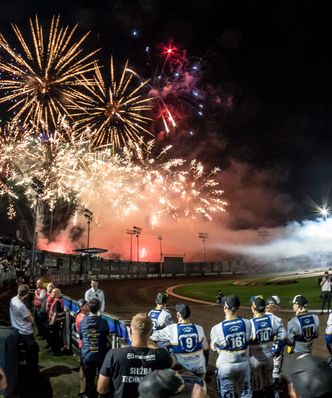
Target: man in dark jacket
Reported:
point(56, 318)
point(93, 332)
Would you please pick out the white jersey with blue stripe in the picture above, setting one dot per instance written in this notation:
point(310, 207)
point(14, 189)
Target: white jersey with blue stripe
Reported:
point(160, 318)
point(265, 331)
point(281, 336)
point(186, 341)
point(302, 330)
point(230, 339)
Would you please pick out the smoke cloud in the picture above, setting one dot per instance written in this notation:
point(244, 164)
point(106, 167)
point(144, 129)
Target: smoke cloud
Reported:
point(308, 238)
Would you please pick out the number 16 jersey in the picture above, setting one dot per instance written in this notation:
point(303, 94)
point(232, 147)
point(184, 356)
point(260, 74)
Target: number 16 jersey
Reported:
point(230, 338)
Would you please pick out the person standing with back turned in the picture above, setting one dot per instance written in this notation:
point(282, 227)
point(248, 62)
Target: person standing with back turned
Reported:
point(160, 315)
point(93, 331)
point(124, 368)
point(303, 328)
point(230, 338)
point(186, 341)
point(21, 319)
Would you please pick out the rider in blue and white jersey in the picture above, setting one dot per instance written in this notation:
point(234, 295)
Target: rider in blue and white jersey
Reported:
point(303, 328)
point(230, 339)
point(186, 341)
point(160, 315)
point(267, 340)
point(273, 307)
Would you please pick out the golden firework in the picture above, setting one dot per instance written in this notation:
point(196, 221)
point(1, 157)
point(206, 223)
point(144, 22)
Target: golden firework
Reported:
point(43, 80)
point(115, 113)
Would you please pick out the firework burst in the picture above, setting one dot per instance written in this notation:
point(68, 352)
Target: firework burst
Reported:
point(41, 80)
point(12, 142)
point(175, 187)
point(115, 112)
point(63, 166)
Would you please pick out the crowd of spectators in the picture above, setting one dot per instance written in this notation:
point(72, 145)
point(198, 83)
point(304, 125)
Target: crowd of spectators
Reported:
point(169, 355)
point(17, 262)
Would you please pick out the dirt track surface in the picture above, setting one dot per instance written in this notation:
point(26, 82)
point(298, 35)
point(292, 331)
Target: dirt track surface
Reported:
point(127, 297)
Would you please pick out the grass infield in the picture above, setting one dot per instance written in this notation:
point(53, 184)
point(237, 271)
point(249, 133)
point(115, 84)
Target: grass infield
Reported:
point(286, 289)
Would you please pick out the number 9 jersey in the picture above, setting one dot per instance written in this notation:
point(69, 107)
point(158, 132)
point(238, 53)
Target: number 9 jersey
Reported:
point(186, 341)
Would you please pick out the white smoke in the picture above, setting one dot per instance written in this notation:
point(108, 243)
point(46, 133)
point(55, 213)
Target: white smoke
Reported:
point(308, 238)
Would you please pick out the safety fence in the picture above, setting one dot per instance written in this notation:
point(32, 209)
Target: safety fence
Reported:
point(118, 336)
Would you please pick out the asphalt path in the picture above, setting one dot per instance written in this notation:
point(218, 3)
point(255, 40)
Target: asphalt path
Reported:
point(124, 298)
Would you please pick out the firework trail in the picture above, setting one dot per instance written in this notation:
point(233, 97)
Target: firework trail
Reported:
point(63, 166)
point(175, 84)
point(115, 113)
point(44, 78)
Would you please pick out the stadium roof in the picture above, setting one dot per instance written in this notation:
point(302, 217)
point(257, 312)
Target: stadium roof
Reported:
point(91, 250)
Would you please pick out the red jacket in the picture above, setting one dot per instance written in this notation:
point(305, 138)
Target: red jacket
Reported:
point(38, 298)
point(60, 316)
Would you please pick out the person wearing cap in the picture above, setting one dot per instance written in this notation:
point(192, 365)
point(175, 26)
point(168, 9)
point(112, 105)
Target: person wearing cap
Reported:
point(83, 310)
point(308, 377)
point(267, 339)
point(303, 328)
point(230, 338)
point(160, 316)
point(93, 332)
point(95, 293)
point(21, 319)
point(272, 308)
point(124, 368)
point(186, 341)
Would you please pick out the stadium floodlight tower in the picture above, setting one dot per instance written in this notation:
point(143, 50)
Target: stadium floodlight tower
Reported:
point(203, 236)
point(89, 216)
point(137, 232)
point(160, 238)
point(131, 232)
point(36, 186)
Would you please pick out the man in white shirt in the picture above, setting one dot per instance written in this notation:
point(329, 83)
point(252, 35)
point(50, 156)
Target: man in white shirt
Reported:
point(21, 319)
point(326, 288)
point(95, 293)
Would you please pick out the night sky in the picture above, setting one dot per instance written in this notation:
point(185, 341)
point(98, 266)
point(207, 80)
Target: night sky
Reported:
point(266, 74)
